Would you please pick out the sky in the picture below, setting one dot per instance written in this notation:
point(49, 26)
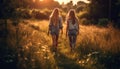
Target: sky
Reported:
point(74, 1)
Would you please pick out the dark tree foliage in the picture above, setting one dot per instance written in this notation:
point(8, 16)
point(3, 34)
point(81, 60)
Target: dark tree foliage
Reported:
point(7, 7)
point(115, 12)
point(105, 9)
point(98, 9)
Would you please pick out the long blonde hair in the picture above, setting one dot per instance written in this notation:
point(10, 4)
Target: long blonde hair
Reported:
point(54, 17)
point(72, 16)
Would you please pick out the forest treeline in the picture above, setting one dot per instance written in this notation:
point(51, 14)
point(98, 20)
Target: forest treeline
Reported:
point(100, 12)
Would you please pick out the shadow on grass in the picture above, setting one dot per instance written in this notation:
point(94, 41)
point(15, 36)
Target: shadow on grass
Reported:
point(97, 58)
point(64, 62)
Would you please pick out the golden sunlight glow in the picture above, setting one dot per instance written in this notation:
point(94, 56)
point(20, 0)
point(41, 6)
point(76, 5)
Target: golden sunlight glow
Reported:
point(35, 0)
point(74, 1)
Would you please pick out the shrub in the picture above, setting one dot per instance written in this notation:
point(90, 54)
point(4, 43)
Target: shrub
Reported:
point(39, 15)
point(83, 14)
point(84, 21)
point(47, 12)
point(103, 22)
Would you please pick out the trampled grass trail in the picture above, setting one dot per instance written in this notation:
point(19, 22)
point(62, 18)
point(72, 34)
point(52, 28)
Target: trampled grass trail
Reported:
point(34, 47)
point(38, 38)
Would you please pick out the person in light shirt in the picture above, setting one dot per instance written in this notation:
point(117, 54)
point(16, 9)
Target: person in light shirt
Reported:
point(72, 29)
point(55, 26)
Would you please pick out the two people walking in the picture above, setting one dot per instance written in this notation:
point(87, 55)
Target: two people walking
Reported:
point(56, 27)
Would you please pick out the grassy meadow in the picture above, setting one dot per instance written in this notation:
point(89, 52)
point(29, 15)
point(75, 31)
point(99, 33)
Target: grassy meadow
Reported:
point(30, 47)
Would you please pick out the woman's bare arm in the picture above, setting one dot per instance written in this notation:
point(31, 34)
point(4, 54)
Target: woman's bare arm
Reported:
point(67, 28)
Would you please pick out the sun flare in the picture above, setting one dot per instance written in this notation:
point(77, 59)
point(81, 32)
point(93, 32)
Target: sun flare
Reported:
point(74, 1)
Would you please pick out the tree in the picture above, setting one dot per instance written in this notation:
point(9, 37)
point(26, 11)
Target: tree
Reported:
point(104, 9)
point(98, 9)
point(7, 7)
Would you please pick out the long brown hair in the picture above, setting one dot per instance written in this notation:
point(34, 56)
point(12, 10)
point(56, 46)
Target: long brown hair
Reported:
point(54, 17)
point(72, 16)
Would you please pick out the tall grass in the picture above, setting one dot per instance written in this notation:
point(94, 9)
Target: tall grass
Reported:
point(96, 47)
point(105, 39)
